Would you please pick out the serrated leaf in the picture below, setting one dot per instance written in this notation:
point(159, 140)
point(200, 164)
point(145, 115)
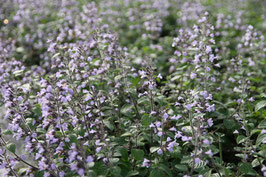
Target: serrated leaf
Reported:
point(38, 174)
point(157, 173)
point(126, 109)
point(73, 138)
point(240, 139)
point(135, 81)
point(18, 72)
point(124, 153)
point(166, 170)
point(261, 138)
point(255, 131)
point(7, 132)
point(11, 147)
point(246, 168)
point(132, 173)
point(146, 120)
point(126, 134)
point(229, 123)
point(108, 124)
point(55, 55)
point(22, 171)
point(115, 171)
point(137, 154)
point(208, 174)
point(262, 124)
point(181, 167)
point(256, 162)
point(260, 105)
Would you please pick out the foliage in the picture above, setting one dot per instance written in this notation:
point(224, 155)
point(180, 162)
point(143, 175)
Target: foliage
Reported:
point(133, 88)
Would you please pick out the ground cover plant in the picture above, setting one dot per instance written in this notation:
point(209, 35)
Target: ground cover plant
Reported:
point(132, 88)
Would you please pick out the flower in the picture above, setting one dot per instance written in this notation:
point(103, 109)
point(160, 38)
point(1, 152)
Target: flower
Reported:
point(159, 151)
point(89, 159)
point(209, 152)
point(206, 141)
point(210, 122)
point(146, 163)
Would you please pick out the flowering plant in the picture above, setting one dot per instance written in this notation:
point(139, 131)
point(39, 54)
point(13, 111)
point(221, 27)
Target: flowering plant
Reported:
point(132, 88)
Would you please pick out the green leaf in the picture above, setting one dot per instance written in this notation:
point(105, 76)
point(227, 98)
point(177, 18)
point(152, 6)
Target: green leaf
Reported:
point(18, 72)
point(146, 120)
point(124, 153)
point(126, 134)
point(240, 139)
point(157, 173)
point(261, 138)
point(22, 171)
point(135, 81)
point(262, 124)
point(20, 49)
point(181, 167)
point(256, 162)
point(208, 174)
point(229, 124)
point(138, 154)
point(11, 147)
point(154, 149)
point(38, 174)
point(166, 170)
point(260, 105)
point(246, 168)
point(7, 132)
point(127, 108)
point(115, 170)
point(108, 124)
point(55, 55)
point(254, 131)
point(73, 138)
point(132, 173)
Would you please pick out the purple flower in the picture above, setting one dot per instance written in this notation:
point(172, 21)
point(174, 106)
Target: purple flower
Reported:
point(193, 75)
point(145, 163)
point(185, 138)
point(159, 151)
point(46, 174)
point(165, 116)
point(158, 124)
point(251, 99)
point(81, 171)
point(61, 174)
point(160, 134)
point(173, 129)
point(176, 117)
point(98, 149)
point(89, 159)
point(189, 106)
point(42, 165)
point(209, 152)
point(210, 122)
point(197, 160)
point(73, 166)
point(206, 141)
point(235, 132)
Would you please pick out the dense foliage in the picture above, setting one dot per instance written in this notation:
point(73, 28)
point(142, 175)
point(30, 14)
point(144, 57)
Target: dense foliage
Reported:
point(133, 88)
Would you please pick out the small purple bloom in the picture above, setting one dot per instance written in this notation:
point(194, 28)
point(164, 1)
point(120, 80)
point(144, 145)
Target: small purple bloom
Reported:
point(159, 151)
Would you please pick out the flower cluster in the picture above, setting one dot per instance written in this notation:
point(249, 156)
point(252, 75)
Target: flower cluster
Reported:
point(132, 88)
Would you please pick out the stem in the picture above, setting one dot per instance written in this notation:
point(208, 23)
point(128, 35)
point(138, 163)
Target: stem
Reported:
point(20, 159)
point(195, 149)
point(220, 149)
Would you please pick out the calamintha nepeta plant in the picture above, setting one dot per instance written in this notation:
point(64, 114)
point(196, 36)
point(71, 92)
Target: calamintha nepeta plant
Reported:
point(131, 88)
